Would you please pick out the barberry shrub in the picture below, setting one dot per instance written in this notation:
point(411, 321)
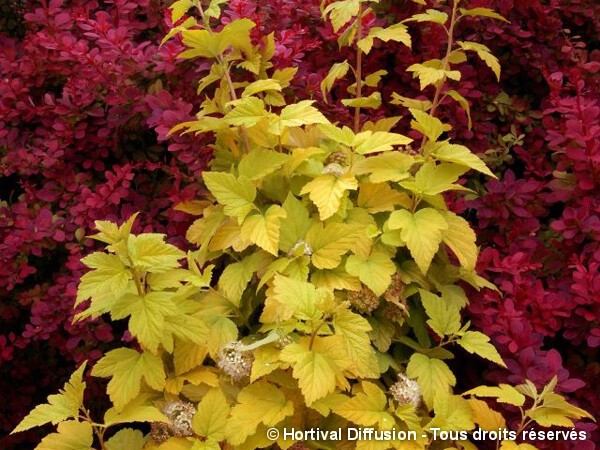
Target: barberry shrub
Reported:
point(325, 291)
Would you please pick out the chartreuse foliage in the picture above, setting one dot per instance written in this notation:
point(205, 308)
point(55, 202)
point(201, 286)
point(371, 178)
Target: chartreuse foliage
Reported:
point(327, 265)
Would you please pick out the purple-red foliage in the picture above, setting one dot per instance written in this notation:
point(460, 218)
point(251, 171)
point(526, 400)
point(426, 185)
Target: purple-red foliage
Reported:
point(88, 96)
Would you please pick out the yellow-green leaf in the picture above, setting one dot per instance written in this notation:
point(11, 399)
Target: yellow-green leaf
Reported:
point(126, 439)
point(149, 253)
point(260, 402)
point(433, 376)
point(452, 412)
point(246, 112)
point(236, 194)
point(462, 102)
point(329, 243)
point(71, 435)
point(140, 409)
point(261, 86)
point(60, 407)
point(482, 12)
point(484, 54)
point(391, 166)
point(460, 237)
point(367, 408)
point(104, 282)
point(295, 225)
point(428, 125)
point(459, 154)
point(381, 197)
point(354, 331)
point(301, 113)
point(148, 314)
point(263, 230)
point(422, 232)
point(261, 162)
point(289, 298)
point(444, 318)
point(315, 369)
point(179, 8)
point(503, 393)
point(430, 15)
point(210, 421)
point(431, 75)
point(368, 142)
point(341, 12)
point(338, 70)
point(375, 271)
point(236, 276)
point(397, 32)
point(326, 192)
point(372, 101)
point(126, 368)
point(484, 416)
point(479, 343)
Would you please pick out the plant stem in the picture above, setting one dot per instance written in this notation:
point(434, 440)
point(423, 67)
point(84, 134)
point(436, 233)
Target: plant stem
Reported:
point(358, 71)
point(438, 90)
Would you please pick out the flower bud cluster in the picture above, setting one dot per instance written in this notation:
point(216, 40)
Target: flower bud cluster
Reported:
point(235, 360)
point(406, 391)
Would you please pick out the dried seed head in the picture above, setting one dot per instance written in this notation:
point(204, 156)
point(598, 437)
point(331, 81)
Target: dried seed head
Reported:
point(334, 169)
point(406, 391)
point(159, 432)
point(180, 414)
point(365, 300)
point(235, 361)
point(337, 158)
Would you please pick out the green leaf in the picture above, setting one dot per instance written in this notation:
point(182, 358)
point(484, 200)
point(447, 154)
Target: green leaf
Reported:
point(459, 154)
point(71, 435)
point(354, 331)
point(422, 232)
point(337, 71)
point(260, 402)
point(368, 142)
point(247, 112)
point(503, 393)
point(433, 179)
point(126, 368)
point(375, 271)
point(460, 237)
point(432, 375)
point(126, 439)
point(367, 408)
point(484, 54)
point(340, 13)
point(444, 318)
point(236, 194)
point(326, 192)
point(316, 368)
point(147, 315)
point(479, 343)
point(60, 407)
point(482, 12)
point(210, 421)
